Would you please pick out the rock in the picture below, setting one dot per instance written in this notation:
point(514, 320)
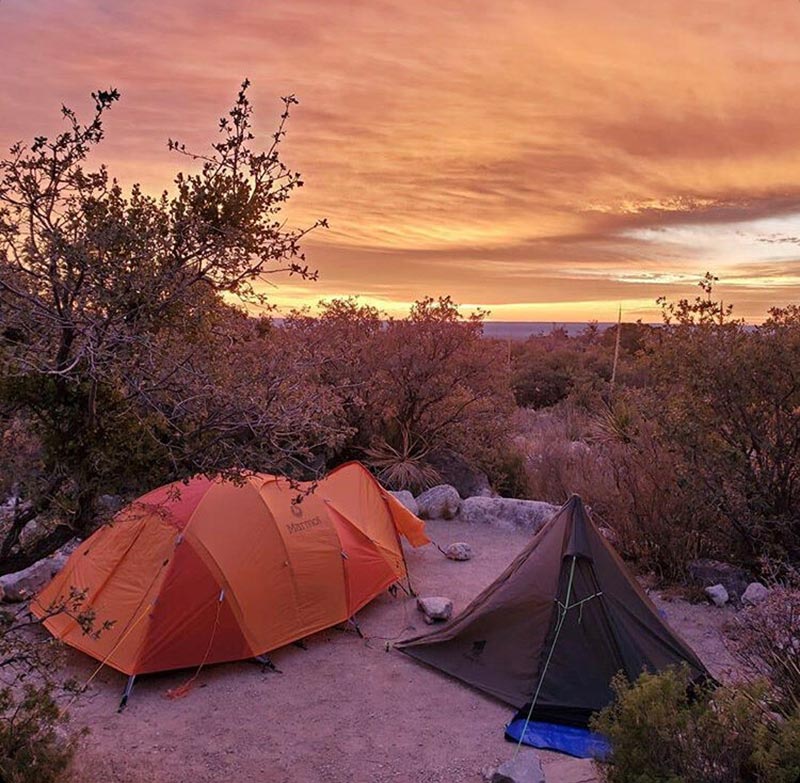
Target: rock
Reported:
point(487, 773)
point(507, 512)
point(459, 473)
point(11, 505)
point(30, 533)
point(754, 594)
point(459, 551)
point(435, 608)
point(407, 499)
point(24, 584)
point(108, 505)
point(441, 502)
point(609, 535)
point(718, 595)
point(706, 573)
point(525, 767)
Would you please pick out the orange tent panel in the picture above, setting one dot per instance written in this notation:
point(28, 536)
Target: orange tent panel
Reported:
point(366, 571)
point(212, 570)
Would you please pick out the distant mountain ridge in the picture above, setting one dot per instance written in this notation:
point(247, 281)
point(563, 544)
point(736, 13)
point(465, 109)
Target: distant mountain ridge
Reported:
point(521, 330)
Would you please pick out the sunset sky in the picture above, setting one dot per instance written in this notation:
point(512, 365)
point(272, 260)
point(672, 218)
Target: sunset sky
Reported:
point(547, 160)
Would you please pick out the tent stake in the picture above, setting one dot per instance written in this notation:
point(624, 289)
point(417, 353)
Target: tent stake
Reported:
point(126, 693)
point(266, 663)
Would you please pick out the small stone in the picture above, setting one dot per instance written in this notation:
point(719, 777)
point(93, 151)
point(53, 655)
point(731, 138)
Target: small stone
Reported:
point(487, 773)
point(440, 502)
point(609, 534)
point(435, 608)
point(523, 768)
point(754, 594)
point(459, 551)
point(706, 573)
point(718, 595)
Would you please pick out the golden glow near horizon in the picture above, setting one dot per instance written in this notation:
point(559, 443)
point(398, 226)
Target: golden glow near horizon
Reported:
point(544, 161)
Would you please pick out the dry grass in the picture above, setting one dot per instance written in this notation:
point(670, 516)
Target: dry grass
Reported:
point(615, 461)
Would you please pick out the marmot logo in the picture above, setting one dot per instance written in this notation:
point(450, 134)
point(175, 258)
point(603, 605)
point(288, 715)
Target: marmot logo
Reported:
point(306, 524)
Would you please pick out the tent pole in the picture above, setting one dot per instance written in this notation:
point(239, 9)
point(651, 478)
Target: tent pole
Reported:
point(126, 693)
point(399, 543)
point(356, 626)
point(405, 563)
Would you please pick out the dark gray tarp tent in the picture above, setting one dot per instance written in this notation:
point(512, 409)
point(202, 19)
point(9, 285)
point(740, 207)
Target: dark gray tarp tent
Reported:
point(556, 627)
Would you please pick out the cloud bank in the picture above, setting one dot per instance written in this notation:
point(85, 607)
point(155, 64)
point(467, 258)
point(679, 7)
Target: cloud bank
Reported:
point(544, 160)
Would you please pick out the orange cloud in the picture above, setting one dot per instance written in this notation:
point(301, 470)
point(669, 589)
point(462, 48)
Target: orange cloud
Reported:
point(545, 160)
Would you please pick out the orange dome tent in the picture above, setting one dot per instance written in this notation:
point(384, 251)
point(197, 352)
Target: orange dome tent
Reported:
point(214, 571)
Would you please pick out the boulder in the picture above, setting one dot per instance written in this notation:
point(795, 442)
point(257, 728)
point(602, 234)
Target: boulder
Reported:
point(507, 512)
point(459, 551)
point(407, 499)
point(525, 767)
point(435, 608)
point(108, 505)
point(754, 594)
point(458, 472)
point(717, 594)
point(33, 530)
point(706, 573)
point(441, 502)
point(24, 584)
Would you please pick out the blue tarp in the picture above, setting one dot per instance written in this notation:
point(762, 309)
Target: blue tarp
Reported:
point(573, 740)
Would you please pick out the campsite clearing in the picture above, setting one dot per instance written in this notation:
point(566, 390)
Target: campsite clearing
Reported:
point(343, 710)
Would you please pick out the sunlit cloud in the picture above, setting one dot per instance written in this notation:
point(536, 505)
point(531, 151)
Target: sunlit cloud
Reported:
point(542, 160)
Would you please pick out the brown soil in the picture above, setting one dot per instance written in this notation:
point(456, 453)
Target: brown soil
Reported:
point(342, 711)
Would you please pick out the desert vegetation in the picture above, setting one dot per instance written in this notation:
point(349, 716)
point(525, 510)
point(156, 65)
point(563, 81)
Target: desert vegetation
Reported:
point(131, 355)
point(693, 452)
point(664, 729)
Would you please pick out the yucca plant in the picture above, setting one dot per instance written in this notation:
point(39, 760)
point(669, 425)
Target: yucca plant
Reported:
point(615, 423)
point(402, 464)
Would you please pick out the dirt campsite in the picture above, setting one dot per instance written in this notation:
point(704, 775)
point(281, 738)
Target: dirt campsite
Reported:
point(399, 391)
point(341, 708)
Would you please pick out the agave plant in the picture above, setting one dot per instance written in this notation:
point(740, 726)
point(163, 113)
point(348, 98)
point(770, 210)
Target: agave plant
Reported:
point(404, 465)
point(615, 424)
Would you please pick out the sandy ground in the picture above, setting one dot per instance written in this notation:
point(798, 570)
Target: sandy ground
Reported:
point(341, 711)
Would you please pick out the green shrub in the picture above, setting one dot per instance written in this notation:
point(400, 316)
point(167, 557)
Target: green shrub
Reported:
point(35, 746)
point(661, 734)
point(777, 752)
point(36, 741)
